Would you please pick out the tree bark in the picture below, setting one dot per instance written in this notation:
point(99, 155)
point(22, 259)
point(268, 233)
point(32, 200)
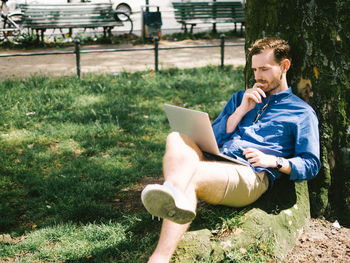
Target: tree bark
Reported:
point(319, 34)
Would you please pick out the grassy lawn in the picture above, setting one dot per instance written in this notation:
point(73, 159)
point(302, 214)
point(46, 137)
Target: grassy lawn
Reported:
point(72, 151)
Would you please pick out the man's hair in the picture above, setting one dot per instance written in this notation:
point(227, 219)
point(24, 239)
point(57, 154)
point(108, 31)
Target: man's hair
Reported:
point(280, 47)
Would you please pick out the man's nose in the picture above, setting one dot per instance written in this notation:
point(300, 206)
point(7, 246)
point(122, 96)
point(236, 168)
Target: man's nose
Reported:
point(257, 75)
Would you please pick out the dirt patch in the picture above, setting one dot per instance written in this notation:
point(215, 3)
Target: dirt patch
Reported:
point(322, 241)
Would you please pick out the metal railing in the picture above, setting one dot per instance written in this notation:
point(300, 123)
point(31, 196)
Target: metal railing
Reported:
point(78, 51)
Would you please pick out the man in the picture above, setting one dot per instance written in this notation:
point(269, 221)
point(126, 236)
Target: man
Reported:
point(266, 126)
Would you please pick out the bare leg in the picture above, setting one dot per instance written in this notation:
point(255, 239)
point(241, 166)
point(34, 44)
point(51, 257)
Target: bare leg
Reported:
point(170, 236)
point(182, 165)
point(185, 166)
point(180, 162)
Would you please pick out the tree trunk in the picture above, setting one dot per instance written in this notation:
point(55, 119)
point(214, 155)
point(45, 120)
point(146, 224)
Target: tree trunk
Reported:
point(319, 34)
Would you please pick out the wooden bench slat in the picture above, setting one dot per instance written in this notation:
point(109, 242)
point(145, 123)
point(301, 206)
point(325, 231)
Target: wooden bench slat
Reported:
point(208, 12)
point(70, 15)
point(51, 15)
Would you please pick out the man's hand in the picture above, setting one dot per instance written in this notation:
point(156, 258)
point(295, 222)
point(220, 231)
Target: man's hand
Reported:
point(258, 158)
point(251, 97)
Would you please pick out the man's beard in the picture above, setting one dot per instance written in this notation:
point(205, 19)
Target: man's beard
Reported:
point(274, 85)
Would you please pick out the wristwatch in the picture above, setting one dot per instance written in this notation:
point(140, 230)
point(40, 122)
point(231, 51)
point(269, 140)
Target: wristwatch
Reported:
point(279, 161)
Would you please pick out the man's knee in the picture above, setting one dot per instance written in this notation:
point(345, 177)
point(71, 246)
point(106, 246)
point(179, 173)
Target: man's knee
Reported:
point(173, 143)
point(178, 138)
point(180, 144)
point(173, 137)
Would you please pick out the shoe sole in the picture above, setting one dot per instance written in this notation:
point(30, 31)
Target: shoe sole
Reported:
point(161, 204)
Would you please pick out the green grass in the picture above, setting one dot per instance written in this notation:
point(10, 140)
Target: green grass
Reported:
point(259, 252)
point(70, 149)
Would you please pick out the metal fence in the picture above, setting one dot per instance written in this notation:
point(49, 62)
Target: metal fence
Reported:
point(78, 51)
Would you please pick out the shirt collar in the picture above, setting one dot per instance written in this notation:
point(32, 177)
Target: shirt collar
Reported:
point(280, 96)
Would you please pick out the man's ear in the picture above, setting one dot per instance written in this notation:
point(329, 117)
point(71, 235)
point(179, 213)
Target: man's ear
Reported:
point(285, 65)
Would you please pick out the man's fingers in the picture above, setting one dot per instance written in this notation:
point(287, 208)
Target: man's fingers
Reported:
point(258, 87)
point(249, 151)
point(254, 96)
point(257, 95)
point(254, 161)
point(262, 93)
point(249, 155)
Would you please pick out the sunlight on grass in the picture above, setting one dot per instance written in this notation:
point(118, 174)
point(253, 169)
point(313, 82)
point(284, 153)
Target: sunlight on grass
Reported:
point(72, 242)
point(63, 147)
point(87, 100)
point(18, 135)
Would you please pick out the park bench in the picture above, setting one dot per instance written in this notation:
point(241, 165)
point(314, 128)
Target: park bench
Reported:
point(193, 13)
point(71, 15)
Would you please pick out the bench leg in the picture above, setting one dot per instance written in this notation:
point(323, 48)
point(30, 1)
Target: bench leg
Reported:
point(62, 33)
point(214, 28)
point(37, 35)
point(192, 26)
point(242, 25)
point(109, 31)
point(184, 27)
point(40, 36)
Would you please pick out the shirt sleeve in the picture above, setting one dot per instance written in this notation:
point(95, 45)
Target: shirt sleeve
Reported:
point(219, 125)
point(306, 161)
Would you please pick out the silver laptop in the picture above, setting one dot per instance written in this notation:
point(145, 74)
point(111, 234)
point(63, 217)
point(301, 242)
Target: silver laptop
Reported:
point(196, 125)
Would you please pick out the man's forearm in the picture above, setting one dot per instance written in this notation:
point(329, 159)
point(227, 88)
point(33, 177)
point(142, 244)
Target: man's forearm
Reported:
point(234, 119)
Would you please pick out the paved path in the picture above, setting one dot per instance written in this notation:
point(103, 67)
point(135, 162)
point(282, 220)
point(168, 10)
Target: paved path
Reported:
point(111, 62)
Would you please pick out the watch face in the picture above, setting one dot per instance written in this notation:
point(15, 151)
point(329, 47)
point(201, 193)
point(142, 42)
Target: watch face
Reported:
point(279, 163)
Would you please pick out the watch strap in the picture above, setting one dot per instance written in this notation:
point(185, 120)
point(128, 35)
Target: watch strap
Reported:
point(279, 161)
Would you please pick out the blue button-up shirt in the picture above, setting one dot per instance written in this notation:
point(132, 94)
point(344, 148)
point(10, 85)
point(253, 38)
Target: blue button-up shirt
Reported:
point(288, 128)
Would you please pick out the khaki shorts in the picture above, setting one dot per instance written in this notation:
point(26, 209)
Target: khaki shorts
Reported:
point(244, 185)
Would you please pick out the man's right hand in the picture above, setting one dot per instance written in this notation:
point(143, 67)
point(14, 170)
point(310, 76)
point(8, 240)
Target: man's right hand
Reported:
point(251, 97)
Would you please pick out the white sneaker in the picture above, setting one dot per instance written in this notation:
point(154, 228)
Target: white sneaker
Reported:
point(167, 202)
